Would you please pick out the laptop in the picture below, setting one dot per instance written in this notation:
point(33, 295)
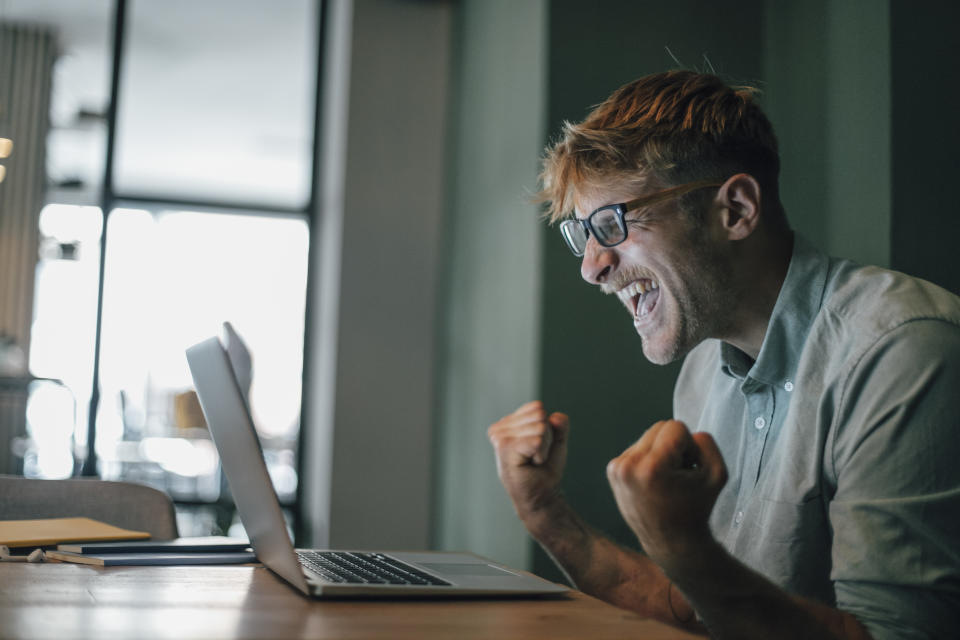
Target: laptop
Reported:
point(328, 573)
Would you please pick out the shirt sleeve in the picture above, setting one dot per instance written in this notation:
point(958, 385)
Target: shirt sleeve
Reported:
point(895, 514)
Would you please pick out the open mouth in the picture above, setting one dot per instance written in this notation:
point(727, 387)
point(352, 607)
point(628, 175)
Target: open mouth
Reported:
point(640, 297)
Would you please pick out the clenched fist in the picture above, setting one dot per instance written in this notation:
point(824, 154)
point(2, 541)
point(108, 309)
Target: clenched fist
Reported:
point(531, 448)
point(666, 485)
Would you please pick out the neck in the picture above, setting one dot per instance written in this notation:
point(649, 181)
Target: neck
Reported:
point(761, 268)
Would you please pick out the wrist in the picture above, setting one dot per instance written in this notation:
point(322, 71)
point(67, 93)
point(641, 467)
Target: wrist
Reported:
point(690, 556)
point(551, 519)
point(532, 506)
point(678, 550)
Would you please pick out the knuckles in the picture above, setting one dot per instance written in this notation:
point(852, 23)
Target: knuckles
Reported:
point(614, 469)
point(503, 436)
point(633, 469)
point(621, 469)
point(501, 440)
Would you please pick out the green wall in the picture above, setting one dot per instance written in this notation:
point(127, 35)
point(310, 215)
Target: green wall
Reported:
point(827, 81)
point(926, 100)
point(862, 94)
point(592, 366)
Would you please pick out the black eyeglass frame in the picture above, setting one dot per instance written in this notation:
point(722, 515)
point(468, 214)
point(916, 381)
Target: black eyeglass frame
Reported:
point(622, 209)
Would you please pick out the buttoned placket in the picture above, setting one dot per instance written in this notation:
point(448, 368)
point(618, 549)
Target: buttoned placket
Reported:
point(760, 402)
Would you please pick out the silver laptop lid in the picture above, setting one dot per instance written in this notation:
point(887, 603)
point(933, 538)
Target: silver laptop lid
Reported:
point(231, 427)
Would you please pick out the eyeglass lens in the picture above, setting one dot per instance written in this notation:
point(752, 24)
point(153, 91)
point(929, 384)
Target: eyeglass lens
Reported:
point(575, 236)
point(605, 225)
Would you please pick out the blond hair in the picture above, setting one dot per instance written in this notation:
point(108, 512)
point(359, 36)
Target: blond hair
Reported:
point(672, 127)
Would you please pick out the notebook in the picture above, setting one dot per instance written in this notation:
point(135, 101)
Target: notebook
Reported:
point(45, 531)
point(328, 573)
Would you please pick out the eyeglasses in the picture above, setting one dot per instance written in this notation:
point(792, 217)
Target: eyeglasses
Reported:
point(607, 224)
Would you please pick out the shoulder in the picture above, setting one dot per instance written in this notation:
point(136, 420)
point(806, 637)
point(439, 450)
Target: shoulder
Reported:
point(903, 388)
point(866, 307)
point(891, 347)
point(874, 301)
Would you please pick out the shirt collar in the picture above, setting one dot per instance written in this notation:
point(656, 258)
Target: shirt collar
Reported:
point(798, 304)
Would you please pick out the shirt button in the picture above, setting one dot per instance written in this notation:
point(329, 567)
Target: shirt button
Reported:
point(760, 423)
point(788, 386)
point(738, 518)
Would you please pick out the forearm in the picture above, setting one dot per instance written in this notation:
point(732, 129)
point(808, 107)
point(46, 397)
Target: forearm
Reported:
point(599, 567)
point(736, 602)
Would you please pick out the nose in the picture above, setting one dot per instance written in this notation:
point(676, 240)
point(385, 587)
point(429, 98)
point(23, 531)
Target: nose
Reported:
point(598, 262)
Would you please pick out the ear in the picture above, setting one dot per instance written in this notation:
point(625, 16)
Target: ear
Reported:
point(739, 200)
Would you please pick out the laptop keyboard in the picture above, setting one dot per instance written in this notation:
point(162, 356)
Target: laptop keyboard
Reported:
point(349, 567)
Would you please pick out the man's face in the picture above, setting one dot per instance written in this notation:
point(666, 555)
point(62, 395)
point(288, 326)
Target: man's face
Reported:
point(671, 277)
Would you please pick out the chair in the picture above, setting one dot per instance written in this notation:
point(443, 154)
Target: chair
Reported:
point(122, 504)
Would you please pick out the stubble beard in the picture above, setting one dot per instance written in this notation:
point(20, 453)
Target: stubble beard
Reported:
point(701, 298)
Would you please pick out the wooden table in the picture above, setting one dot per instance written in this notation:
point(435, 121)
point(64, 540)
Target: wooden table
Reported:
point(76, 601)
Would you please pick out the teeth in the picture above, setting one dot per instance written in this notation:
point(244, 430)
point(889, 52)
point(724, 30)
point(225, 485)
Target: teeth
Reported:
point(639, 287)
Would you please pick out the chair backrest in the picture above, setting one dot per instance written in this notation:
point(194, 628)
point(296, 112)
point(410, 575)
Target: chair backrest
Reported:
point(122, 504)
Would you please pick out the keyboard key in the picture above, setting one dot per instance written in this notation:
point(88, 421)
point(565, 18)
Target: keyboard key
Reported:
point(365, 568)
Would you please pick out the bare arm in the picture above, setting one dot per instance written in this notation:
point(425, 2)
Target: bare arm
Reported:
point(600, 567)
point(531, 452)
point(735, 602)
point(666, 485)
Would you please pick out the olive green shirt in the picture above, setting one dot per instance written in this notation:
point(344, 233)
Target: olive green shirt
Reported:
point(842, 442)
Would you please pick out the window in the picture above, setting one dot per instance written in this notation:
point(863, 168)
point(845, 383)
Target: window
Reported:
point(204, 218)
point(62, 338)
point(172, 278)
point(216, 102)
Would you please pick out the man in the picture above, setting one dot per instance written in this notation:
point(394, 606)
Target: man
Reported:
point(809, 485)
